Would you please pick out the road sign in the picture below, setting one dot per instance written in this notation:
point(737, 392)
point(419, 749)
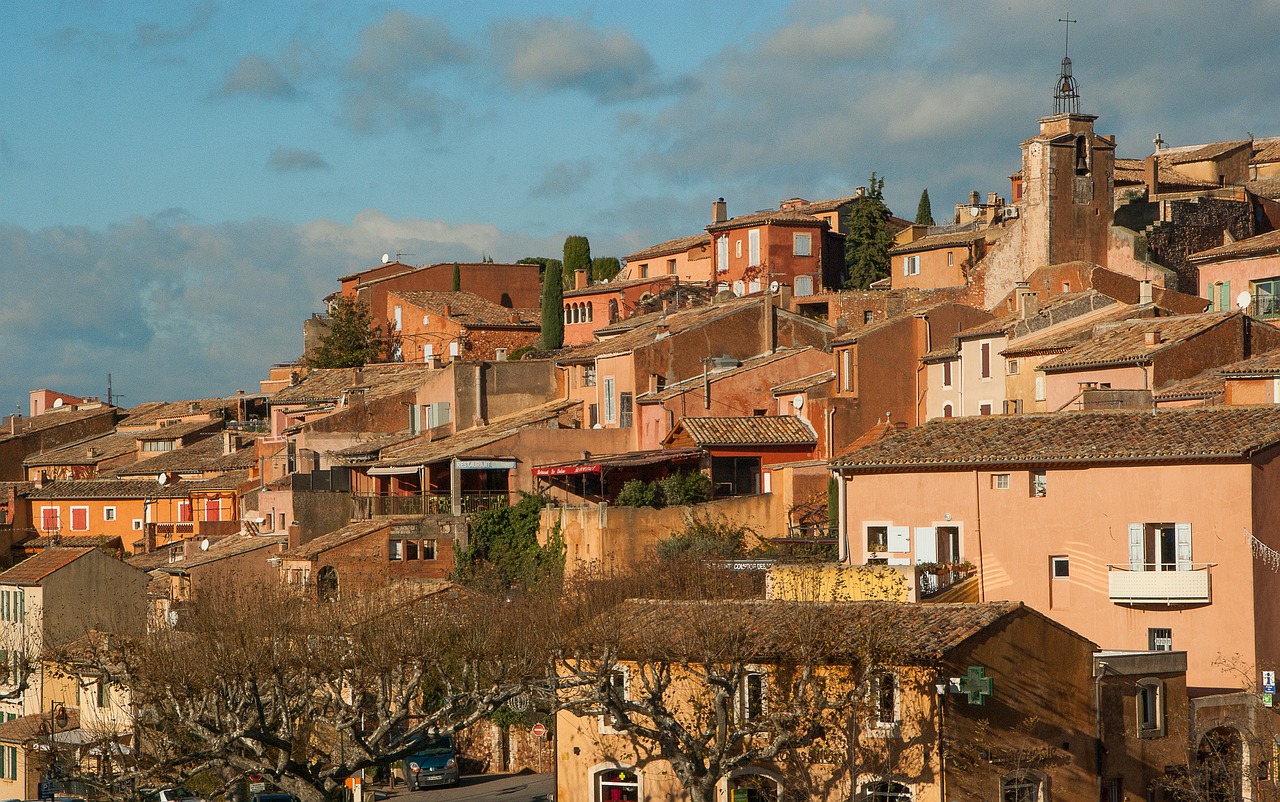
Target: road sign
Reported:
point(539, 730)
point(257, 788)
point(45, 789)
point(1269, 681)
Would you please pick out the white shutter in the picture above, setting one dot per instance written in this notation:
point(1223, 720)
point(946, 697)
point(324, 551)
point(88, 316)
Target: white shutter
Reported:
point(1182, 532)
point(906, 265)
point(722, 255)
point(753, 247)
point(926, 545)
point(1135, 548)
point(899, 539)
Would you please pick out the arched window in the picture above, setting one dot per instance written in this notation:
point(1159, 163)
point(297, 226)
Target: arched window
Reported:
point(590, 312)
point(754, 785)
point(617, 785)
point(886, 791)
point(568, 315)
point(613, 310)
point(1022, 786)
point(1082, 156)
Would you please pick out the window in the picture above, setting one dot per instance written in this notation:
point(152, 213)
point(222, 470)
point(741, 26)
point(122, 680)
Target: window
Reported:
point(1266, 298)
point(884, 699)
point(722, 255)
point(104, 694)
point(1060, 567)
point(868, 316)
point(803, 286)
point(951, 258)
point(1160, 639)
point(410, 550)
point(1150, 708)
point(184, 511)
point(948, 411)
point(644, 271)
point(396, 323)
point(753, 248)
point(946, 373)
point(1039, 484)
point(1013, 406)
point(911, 265)
point(1040, 388)
point(986, 360)
point(79, 519)
point(1020, 787)
point(877, 539)
point(137, 524)
point(588, 375)
point(618, 681)
point(50, 519)
point(1160, 547)
point(395, 550)
point(617, 785)
point(158, 445)
point(610, 403)
point(1012, 367)
point(108, 513)
point(751, 703)
point(737, 250)
point(802, 244)
point(984, 408)
point(849, 370)
point(625, 410)
point(735, 476)
point(213, 509)
point(999, 481)
point(886, 792)
point(753, 787)
point(671, 267)
point(739, 288)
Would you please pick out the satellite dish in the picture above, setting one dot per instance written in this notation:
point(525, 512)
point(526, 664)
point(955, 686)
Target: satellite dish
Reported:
point(162, 479)
point(773, 286)
point(204, 544)
point(1244, 299)
point(386, 257)
point(974, 211)
point(797, 402)
point(57, 402)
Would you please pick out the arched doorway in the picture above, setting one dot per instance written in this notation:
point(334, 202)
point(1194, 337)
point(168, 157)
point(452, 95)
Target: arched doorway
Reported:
point(754, 785)
point(327, 583)
point(1219, 769)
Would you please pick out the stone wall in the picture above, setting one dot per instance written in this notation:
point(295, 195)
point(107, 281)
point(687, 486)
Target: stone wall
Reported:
point(1194, 225)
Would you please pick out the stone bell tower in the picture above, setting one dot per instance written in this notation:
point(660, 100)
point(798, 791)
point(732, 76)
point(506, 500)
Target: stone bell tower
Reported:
point(1067, 183)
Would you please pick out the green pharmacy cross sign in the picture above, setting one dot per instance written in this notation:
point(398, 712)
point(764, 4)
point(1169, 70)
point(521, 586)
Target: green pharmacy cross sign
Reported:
point(977, 685)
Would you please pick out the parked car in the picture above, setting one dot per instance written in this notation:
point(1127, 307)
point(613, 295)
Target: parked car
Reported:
point(174, 794)
point(436, 763)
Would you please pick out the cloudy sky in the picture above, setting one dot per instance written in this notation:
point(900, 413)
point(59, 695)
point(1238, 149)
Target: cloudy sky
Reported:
point(181, 183)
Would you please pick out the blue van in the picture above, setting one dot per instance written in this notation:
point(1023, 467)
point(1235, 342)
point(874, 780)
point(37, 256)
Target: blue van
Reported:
point(435, 763)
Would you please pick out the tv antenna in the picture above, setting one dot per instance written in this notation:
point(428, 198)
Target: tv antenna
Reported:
point(111, 396)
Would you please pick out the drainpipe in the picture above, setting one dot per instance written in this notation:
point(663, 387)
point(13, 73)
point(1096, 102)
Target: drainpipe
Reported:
point(842, 517)
point(977, 501)
point(1098, 749)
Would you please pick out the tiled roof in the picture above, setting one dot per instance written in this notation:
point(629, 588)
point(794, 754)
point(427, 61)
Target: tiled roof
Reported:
point(1267, 244)
point(617, 284)
point(1204, 385)
point(113, 489)
point(72, 542)
point(232, 546)
point(898, 633)
point(51, 419)
point(367, 449)
point(817, 207)
point(35, 727)
point(678, 245)
point(1266, 150)
point(949, 239)
point(148, 414)
point(204, 456)
point(470, 309)
point(1190, 435)
point(861, 332)
point(37, 567)
point(749, 430)
point(631, 339)
point(1187, 154)
point(328, 384)
point(1268, 187)
point(89, 451)
point(1265, 364)
point(1133, 172)
point(478, 436)
point(347, 534)
point(1069, 334)
point(175, 430)
point(1126, 343)
point(805, 383)
point(771, 217)
point(676, 389)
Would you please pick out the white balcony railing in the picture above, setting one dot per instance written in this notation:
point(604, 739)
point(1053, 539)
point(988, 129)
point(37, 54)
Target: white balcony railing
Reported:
point(1191, 586)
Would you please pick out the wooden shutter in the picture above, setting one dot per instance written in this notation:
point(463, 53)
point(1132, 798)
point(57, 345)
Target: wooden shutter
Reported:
point(899, 539)
point(184, 511)
point(213, 509)
point(1136, 551)
point(49, 519)
point(1182, 533)
point(926, 544)
point(79, 519)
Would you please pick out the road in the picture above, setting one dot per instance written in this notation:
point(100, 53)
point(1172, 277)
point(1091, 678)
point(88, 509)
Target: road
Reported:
point(484, 787)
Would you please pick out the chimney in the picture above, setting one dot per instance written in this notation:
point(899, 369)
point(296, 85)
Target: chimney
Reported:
point(1027, 300)
point(1151, 175)
point(579, 279)
point(1144, 292)
point(513, 318)
point(974, 198)
point(719, 211)
point(448, 312)
point(1152, 338)
point(991, 199)
point(859, 192)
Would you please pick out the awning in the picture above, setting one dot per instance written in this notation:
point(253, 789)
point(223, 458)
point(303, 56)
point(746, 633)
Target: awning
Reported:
point(606, 462)
point(565, 470)
point(394, 470)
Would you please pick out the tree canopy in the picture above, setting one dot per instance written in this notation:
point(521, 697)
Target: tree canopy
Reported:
point(577, 256)
point(352, 340)
point(868, 238)
point(552, 307)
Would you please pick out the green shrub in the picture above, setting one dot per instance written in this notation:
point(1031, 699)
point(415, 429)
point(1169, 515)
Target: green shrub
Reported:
point(686, 488)
point(639, 493)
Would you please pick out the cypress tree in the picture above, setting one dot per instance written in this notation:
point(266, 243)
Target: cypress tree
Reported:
point(924, 212)
point(577, 256)
point(868, 239)
point(457, 277)
point(552, 308)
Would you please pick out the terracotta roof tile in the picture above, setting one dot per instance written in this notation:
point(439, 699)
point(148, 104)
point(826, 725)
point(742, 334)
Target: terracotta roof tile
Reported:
point(148, 414)
point(1133, 172)
point(470, 310)
point(1268, 187)
point(1204, 385)
point(478, 436)
point(328, 384)
point(819, 206)
point(911, 632)
point(617, 284)
point(1267, 244)
point(109, 544)
point(671, 246)
point(948, 239)
point(1187, 154)
point(644, 334)
point(805, 383)
point(749, 430)
point(1265, 364)
point(204, 456)
point(1190, 435)
point(51, 419)
point(677, 388)
point(1126, 343)
point(37, 567)
point(770, 217)
point(227, 547)
point(25, 729)
point(89, 451)
point(338, 537)
point(369, 449)
point(1266, 150)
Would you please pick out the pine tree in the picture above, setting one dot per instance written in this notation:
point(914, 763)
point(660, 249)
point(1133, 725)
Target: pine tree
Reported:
point(868, 238)
point(924, 212)
point(457, 277)
point(352, 339)
point(552, 308)
point(577, 256)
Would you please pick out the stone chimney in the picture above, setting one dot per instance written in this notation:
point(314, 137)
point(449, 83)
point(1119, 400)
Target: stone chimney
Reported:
point(719, 211)
point(992, 198)
point(974, 198)
point(513, 318)
point(1152, 338)
point(1027, 301)
point(448, 311)
point(579, 279)
point(1151, 175)
point(1144, 292)
point(859, 192)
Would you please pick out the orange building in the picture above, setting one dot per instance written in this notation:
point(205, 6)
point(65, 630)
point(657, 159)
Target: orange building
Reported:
point(688, 258)
point(457, 325)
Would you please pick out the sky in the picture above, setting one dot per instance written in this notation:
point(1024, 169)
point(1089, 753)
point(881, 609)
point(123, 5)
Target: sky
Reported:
point(181, 183)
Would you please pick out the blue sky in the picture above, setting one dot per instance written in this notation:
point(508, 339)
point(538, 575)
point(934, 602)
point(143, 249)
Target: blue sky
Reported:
point(181, 183)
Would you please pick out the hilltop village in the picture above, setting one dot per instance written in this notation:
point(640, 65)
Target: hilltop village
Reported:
point(1041, 453)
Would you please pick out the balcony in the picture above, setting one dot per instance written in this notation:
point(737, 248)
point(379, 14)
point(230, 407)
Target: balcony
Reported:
point(365, 506)
point(1151, 586)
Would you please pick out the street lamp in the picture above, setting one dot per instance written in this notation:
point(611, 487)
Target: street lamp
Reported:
point(57, 718)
